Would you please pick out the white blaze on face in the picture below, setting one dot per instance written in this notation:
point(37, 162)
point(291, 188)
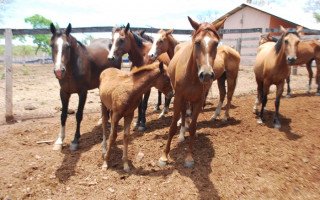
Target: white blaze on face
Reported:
point(115, 39)
point(59, 43)
point(154, 45)
point(206, 40)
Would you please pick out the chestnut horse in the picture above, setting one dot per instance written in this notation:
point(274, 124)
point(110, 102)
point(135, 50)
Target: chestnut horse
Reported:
point(308, 50)
point(272, 66)
point(121, 92)
point(191, 75)
point(77, 68)
point(126, 41)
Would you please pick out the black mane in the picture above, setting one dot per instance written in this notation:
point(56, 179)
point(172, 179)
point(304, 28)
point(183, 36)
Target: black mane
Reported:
point(279, 42)
point(139, 40)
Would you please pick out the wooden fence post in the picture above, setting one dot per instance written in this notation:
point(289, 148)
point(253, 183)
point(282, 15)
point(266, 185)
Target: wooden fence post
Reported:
point(8, 67)
point(238, 45)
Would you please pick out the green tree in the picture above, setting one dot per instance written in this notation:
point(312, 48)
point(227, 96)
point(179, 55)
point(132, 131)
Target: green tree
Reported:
point(42, 41)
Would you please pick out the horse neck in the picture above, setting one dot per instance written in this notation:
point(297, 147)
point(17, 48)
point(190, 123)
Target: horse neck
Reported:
point(192, 68)
point(75, 55)
point(136, 53)
point(172, 44)
point(281, 57)
point(145, 80)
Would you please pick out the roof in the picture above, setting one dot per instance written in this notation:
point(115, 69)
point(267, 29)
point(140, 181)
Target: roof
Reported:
point(261, 10)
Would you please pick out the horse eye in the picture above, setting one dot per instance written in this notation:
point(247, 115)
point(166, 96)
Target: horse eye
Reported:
point(286, 42)
point(197, 43)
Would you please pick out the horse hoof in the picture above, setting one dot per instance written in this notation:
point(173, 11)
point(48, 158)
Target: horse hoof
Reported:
point(141, 128)
point(57, 147)
point(127, 170)
point(180, 139)
point(277, 126)
point(157, 108)
point(288, 96)
point(74, 146)
point(260, 121)
point(162, 163)
point(224, 120)
point(189, 164)
point(104, 167)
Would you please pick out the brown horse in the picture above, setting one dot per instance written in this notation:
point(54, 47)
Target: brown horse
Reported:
point(77, 68)
point(121, 92)
point(272, 66)
point(191, 75)
point(308, 50)
point(126, 41)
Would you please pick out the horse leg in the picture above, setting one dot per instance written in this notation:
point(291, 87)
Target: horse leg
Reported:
point(137, 123)
point(177, 104)
point(310, 72)
point(276, 121)
point(231, 82)
point(222, 94)
point(159, 101)
point(104, 121)
point(142, 126)
point(82, 101)
point(259, 97)
point(183, 128)
point(126, 136)
point(64, 97)
point(196, 108)
point(112, 138)
point(288, 87)
point(318, 77)
point(165, 109)
point(264, 95)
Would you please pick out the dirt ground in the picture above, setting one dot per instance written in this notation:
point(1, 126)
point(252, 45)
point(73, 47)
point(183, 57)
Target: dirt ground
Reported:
point(237, 159)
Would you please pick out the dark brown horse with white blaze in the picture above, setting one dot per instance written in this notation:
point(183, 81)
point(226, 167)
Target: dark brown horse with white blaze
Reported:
point(121, 92)
point(272, 66)
point(308, 50)
point(77, 68)
point(126, 41)
point(191, 76)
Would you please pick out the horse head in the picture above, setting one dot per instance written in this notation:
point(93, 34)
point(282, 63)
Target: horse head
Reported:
point(120, 43)
point(205, 39)
point(160, 43)
point(267, 38)
point(290, 41)
point(61, 42)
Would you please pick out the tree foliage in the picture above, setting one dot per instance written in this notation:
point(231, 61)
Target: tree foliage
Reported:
point(42, 41)
point(314, 7)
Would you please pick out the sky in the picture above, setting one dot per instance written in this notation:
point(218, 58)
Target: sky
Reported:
point(165, 14)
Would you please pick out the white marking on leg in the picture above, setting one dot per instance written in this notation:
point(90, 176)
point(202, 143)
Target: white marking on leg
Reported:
point(182, 132)
point(217, 113)
point(61, 135)
point(164, 111)
point(154, 44)
point(115, 39)
point(256, 106)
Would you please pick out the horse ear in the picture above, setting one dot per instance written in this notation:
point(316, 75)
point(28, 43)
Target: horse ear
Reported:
point(142, 32)
point(220, 24)
point(194, 24)
point(127, 28)
point(169, 31)
point(161, 66)
point(299, 29)
point(68, 30)
point(53, 29)
point(283, 29)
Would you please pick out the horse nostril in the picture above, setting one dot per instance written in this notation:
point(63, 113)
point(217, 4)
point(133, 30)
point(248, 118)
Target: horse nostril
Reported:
point(212, 76)
point(201, 76)
point(63, 70)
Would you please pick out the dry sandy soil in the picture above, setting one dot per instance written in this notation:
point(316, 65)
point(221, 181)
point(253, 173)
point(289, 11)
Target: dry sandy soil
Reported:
point(237, 159)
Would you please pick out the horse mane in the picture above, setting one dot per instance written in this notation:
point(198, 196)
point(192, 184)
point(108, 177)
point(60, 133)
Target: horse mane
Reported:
point(139, 40)
point(279, 42)
point(137, 70)
point(207, 27)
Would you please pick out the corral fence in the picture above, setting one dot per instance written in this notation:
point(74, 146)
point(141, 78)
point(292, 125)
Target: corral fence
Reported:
point(246, 46)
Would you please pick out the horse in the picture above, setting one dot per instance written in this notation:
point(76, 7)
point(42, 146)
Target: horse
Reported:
point(126, 41)
point(191, 76)
point(77, 67)
point(121, 93)
point(308, 50)
point(272, 66)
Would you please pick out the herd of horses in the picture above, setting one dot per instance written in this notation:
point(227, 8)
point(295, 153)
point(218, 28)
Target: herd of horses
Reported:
point(183, 70)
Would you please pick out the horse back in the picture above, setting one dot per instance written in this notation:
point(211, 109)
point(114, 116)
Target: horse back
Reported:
point(227, 59)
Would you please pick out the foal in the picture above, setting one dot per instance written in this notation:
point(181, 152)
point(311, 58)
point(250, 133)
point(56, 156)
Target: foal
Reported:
point(121, 92)
point(77, 67)
point(272, 66)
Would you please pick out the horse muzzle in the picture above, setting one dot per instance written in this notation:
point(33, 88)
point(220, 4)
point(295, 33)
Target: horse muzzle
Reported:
point(291, 60)
point(59, 72)
point(206, 77)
